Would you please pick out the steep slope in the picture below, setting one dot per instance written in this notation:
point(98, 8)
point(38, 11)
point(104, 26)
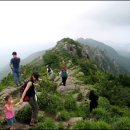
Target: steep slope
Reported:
point(109, 51)
point(32, 57)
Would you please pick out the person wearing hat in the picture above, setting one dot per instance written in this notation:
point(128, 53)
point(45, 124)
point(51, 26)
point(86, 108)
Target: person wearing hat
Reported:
point(14, 65)
point(30, 92)
point(64, 75)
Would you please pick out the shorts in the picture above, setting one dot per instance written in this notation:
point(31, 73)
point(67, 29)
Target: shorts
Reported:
point(11, 121)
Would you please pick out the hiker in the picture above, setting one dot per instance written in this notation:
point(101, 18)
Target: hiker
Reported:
point(29, 95)
point(14, 65)
point(49, 70)
point(93, 100)
point(64, 75)
point(9, 112)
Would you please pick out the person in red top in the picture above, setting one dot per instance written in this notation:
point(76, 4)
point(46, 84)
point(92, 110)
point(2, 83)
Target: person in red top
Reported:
point(64, 75)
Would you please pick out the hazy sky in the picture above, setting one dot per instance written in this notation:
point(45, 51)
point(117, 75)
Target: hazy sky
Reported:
point(29, 26)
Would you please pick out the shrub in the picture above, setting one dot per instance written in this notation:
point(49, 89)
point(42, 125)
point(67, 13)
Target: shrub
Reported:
point(70, 103)
point(49, 124)
point(41, 117)
point(80, 97)
point(116, 111)
point(49, 86)
point(55, 104)
point(122, 123)
point(91, 125)
point(64, 115)
point(101, 125)
point(82, 125)
point(50, 103)
point(0, 126)
point(61, 126)
point(52, 58)
point(24, 115)
point(82, 110)
point(103, 103)
point(101, 113)
point(42, 100)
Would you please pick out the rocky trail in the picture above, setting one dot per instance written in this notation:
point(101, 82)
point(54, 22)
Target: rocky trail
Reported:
point(73, 85)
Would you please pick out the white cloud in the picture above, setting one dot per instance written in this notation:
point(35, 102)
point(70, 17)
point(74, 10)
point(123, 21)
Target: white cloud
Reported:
point(28, 26)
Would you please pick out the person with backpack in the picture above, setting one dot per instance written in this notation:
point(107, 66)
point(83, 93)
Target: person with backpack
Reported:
point(14, 65)
point(28, 94)
point(93, 100)
point(64, 75)
point(49, 70)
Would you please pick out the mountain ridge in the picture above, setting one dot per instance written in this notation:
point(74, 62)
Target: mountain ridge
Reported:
point(109, 51)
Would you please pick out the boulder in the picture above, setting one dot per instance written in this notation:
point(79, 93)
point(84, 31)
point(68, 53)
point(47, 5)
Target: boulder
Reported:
point(75, 96)
point(74, 120)
point(80, 74)
point(62, 89)
point(57, 116)
point(8, 91)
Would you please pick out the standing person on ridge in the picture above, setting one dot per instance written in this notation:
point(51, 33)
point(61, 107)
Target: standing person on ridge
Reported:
point(49, 70)
point(29, 95)
point(64, 75)
point(15, 66)
point(93, 100)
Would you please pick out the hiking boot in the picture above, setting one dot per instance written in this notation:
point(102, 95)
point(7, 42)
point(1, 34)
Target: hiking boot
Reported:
point(35, 121)
point(32, 123)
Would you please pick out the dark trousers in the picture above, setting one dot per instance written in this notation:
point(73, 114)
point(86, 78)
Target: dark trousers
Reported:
point(64, 80)
point(93, 105)
point(33, 103)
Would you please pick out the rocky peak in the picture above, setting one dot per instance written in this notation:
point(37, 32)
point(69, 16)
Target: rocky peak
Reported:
point(73, 47)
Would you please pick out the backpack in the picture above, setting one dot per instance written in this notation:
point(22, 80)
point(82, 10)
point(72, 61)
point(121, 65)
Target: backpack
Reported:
point(49, 70)
point(26, 98)
point(64, 73)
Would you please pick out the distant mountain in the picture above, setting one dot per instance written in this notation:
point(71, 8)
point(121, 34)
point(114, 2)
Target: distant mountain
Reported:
point(32, 57)
point(4, 71)
point(109, 51)
point(122, 48)
point(96, 55)
point(124, 53)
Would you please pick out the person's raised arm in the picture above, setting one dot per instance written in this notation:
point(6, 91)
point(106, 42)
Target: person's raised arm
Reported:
point(11, 64)
point(25, 91)
point(9, 108)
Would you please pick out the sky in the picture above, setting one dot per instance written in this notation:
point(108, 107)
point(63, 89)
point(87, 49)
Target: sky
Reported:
point(31, 26)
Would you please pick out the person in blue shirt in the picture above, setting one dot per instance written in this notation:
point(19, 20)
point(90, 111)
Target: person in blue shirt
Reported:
point(15, 66)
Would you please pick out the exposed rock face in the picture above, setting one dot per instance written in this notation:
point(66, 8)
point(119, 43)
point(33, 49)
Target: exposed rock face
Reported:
point(8, 91)
point(92, 53)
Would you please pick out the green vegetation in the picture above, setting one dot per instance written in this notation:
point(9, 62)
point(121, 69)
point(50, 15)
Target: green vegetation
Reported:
point(48, 124)
point(24, 115)
point(91, 125)
point(64, 116)
point(122, 123)
point(113, 89)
